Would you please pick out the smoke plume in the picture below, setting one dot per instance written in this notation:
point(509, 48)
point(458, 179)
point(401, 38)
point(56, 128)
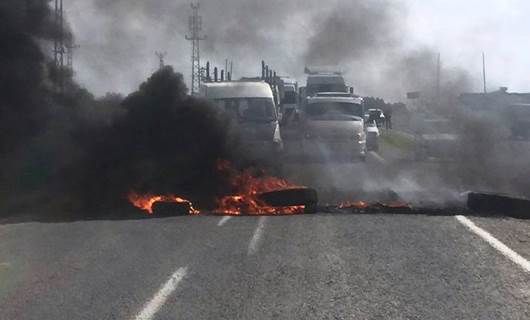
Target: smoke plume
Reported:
point(163, 142)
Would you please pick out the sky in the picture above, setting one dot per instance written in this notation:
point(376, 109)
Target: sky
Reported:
point(373, 41)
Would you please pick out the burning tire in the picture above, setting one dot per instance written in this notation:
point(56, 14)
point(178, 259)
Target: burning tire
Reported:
point(292, 197)
point(170, 208)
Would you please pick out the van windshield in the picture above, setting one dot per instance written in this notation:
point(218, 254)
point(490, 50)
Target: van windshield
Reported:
point(334, 111)
point(248, 109)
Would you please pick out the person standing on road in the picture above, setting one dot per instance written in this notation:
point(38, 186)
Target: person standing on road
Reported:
point(388, 118)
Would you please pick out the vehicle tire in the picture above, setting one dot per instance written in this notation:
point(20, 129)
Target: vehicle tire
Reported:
point(499, 204)
point(170, 209)
point(290, 197)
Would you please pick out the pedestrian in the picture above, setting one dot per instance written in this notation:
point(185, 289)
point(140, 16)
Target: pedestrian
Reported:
point(388, 118)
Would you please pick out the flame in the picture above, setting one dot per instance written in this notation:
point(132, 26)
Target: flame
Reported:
point(247, 189)
point(146, 201)
point(353, 204)
point(236, 205)
point(245, 186)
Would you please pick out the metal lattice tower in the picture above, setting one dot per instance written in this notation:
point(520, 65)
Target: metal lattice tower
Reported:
point(70, 55)
point(195, 27)
point(161, 56)
point(58, 41)
point(58, 44)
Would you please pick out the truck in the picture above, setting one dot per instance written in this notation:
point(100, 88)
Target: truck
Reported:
point(288, 88)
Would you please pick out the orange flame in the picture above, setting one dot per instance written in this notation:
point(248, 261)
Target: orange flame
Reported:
point(248, 187)
point(353, 204)
point(146, 201)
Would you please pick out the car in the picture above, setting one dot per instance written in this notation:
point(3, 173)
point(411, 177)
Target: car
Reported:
point(372, 136)
point(376, 115)
point(251, 104)
point(334, 127)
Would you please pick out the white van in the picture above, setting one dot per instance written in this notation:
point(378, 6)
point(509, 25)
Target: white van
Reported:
point(334, 127)
point(251, 104)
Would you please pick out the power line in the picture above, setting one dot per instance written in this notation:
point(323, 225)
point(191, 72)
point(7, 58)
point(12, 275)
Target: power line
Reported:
point(195, 27)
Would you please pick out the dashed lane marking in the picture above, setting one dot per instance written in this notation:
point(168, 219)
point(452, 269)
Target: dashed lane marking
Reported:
point(152, 307)
point(492, 241)
point(256, 238)
point(223, 220)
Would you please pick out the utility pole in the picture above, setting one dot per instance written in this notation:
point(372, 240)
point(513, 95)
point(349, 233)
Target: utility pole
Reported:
point(195, 27)
point(484, 71)
point(438, 75)
point(161, 56)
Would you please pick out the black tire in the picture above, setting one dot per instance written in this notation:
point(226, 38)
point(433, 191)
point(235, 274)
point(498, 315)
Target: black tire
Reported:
point(170, 209)
point(499, 204)
point(290, 197)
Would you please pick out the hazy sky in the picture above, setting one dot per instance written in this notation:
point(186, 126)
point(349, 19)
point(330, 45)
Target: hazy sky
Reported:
point(118, 38)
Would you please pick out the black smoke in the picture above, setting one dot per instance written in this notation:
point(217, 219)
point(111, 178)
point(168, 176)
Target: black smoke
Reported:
point(22, 80)
point(67, 149)
point(164, 141)
point(353, 31)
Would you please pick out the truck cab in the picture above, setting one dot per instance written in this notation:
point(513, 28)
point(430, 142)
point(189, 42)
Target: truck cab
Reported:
point(333, 127)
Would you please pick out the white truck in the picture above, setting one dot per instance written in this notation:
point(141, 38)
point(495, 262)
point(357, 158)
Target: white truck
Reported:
point(333, 127)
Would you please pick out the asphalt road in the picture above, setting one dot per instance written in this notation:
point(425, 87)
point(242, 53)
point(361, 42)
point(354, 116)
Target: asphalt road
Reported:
point(291, 267)
point(322, 266)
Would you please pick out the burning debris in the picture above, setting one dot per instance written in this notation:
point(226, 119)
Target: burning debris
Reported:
point(146, 201)
point(353, 204)
point(249, 192)
point(246, 187)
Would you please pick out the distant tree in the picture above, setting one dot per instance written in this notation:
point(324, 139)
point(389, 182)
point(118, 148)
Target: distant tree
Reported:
point(379, 103)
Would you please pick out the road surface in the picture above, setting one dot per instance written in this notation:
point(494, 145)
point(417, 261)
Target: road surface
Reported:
point(321, 266)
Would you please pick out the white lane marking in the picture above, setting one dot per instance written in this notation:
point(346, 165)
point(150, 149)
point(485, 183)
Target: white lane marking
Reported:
point(378, 157)
point(492, 241)
point(256, 238)
point(152, 307)
point(223, 220)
